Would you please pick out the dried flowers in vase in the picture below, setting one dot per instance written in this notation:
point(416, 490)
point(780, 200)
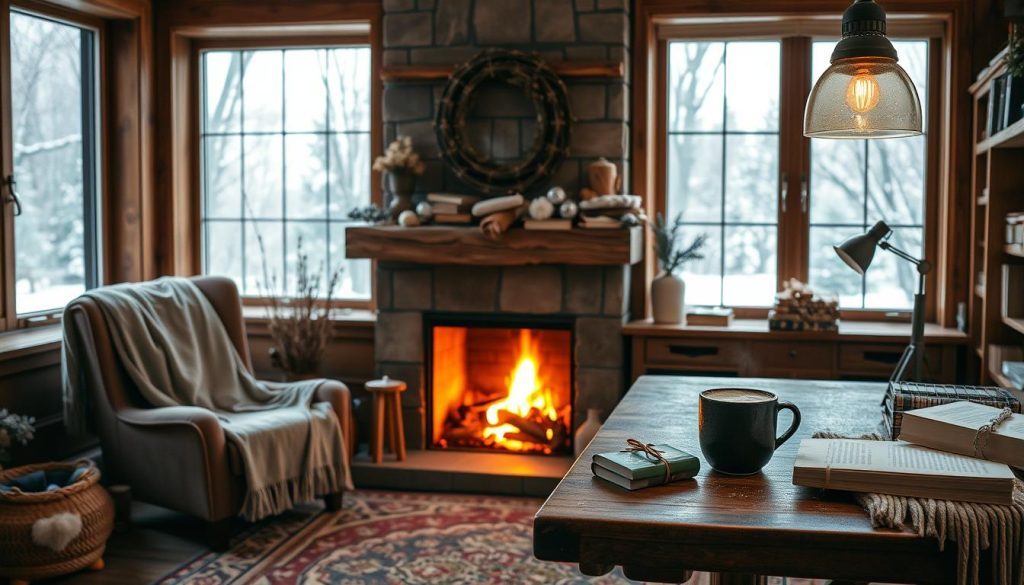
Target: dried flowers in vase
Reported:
point(300, 324)
point(400, 165)
point(14, 428)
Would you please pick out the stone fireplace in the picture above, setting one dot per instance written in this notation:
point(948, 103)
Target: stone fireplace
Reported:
point(580, 309)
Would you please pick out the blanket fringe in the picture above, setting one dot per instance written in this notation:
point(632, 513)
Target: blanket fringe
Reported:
point(274, 499)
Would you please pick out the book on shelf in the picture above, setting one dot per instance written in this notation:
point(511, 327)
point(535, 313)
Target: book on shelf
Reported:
point(548, 224)
point(634, 465)
point(453, 218)
point(901, 469)
point(637, 484)
point(709, 316)
point(953, 427)
point(453, 198)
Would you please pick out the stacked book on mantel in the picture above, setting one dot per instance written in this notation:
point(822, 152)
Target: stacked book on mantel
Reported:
point(944, 453)
point(635, 470)
point(452, 208)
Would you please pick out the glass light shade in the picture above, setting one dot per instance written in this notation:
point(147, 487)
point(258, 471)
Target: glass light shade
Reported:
point(869, 97)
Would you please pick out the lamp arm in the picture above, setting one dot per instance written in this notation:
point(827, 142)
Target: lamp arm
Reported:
point(922, 265)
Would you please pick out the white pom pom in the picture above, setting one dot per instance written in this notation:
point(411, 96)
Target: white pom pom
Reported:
point(408, 218)
point(56, 532)
point(541, 208)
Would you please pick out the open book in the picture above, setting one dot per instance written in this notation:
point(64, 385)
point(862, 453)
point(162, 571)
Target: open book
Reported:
point(901, 469)
point(952, 427)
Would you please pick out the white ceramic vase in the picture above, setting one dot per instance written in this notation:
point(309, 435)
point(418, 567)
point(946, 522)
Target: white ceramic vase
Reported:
point(587, 430)
point(668, 292)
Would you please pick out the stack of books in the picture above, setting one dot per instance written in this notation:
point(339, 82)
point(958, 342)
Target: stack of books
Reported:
point(940, 455)
point(635, 470)
point(452, 208)
point(901, 397)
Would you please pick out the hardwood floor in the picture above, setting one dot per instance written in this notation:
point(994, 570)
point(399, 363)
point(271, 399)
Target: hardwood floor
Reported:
point(156, 542)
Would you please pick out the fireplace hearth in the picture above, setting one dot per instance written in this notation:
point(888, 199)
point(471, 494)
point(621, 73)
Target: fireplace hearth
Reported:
point(499, 387)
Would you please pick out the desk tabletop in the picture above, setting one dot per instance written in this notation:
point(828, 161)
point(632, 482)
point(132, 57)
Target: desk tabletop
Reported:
point(759, 524)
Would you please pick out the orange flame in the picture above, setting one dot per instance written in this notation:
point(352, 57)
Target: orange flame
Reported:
point(526, 391)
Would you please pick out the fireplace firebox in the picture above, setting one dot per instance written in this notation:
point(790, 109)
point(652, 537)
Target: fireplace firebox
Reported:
point(499, 384)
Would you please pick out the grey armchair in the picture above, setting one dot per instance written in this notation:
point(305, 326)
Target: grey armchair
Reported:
point(174, 457)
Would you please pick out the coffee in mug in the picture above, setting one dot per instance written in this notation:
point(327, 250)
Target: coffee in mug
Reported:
point(738, 428)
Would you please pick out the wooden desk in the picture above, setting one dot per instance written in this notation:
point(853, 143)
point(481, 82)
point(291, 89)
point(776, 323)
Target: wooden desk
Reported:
point(860, 350)
point(735, 527)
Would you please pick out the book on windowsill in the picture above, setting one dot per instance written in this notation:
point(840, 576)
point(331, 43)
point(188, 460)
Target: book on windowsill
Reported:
point(548, 224)
point(634, 465)
point(453, 198)
point(709, 316)
point(637, 484)
point(952, 427)
point(453, 218)
point(901, 469)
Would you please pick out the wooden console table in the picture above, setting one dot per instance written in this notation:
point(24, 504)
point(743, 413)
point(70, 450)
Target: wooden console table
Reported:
point(860, 350)
point(738, 528)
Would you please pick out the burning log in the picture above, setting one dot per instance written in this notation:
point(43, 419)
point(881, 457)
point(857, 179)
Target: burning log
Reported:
point(538, 431)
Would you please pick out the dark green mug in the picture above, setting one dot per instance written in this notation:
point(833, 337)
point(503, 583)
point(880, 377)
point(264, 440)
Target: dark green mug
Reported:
point(739, 428)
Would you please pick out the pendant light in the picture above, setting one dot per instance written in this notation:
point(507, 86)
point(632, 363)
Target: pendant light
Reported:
point(864, 93)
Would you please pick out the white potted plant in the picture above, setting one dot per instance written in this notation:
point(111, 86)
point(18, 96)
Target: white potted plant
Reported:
point(668, 291)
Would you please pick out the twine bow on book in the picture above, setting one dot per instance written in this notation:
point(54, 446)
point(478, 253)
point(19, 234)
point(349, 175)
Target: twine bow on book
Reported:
point(648, 449)
point(985, 431)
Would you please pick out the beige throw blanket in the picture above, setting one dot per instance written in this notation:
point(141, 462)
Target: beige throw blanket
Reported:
point(176, 350)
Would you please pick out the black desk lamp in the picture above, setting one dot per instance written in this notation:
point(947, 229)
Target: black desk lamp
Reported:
point(858, 252)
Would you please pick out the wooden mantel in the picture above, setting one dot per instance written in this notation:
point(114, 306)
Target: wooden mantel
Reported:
point(467, 246)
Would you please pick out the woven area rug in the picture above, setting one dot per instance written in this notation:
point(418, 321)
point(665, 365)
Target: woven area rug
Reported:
point(395, 538)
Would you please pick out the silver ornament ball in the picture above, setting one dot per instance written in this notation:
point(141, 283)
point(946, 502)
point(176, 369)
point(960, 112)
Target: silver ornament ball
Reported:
point(569, 209)
point(556, 195)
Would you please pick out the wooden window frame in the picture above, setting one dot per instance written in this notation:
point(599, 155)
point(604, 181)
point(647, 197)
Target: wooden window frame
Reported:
point(123, 101)
point(794, 156)
point(178, 65)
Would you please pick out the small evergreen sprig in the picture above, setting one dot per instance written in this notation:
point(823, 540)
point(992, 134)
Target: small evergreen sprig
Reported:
point(666, 242)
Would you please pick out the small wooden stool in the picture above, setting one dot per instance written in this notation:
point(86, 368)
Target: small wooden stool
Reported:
point(387, 411)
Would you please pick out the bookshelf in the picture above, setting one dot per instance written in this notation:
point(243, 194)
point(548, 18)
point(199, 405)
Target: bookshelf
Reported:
point(996, 309)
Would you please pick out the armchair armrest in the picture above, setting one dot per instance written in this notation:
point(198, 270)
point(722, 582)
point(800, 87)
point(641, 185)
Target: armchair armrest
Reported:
point(194, 476)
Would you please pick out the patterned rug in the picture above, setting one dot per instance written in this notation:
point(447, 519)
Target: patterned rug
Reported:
point(394, 538)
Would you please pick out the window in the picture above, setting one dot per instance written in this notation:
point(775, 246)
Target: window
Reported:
point(739, 171)
point(285, 154)
point(55, 148)
point(723, 149)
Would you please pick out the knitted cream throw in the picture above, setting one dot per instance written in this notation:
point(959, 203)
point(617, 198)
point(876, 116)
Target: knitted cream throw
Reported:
point(974, 528)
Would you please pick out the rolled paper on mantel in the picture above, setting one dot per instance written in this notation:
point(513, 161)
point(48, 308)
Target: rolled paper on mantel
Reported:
point(498, 223)
point(489, 206)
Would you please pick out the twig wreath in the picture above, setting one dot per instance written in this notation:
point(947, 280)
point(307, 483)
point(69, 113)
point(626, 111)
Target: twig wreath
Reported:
point(551, 104)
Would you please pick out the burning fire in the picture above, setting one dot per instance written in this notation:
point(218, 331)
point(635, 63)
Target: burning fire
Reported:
point(528, 398)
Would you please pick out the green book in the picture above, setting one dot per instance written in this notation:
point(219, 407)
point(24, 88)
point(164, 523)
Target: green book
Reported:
point(636, 484)
point(634, 465)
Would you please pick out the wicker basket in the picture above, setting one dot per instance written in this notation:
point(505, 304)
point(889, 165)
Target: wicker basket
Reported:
point(20, 558)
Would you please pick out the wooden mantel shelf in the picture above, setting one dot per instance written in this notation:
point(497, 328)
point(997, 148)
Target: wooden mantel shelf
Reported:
point(467, 246)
